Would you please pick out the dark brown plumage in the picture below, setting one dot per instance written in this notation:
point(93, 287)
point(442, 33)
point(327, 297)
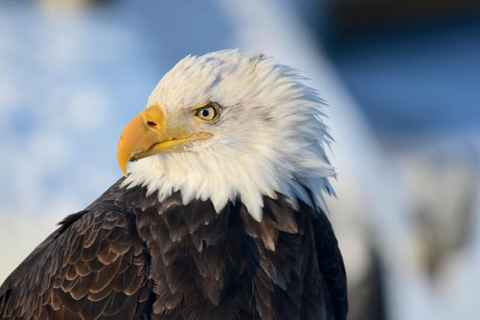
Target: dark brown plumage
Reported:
point(127, 256)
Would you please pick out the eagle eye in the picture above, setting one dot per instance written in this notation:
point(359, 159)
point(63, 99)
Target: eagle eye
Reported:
point(207, 113)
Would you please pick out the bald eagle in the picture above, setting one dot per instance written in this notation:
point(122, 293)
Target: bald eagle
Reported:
point(220, 214)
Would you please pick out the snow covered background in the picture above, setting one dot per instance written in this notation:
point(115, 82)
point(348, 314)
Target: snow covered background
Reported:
point(72, 76)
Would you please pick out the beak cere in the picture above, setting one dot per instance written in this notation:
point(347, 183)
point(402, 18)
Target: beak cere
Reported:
point(147, 134)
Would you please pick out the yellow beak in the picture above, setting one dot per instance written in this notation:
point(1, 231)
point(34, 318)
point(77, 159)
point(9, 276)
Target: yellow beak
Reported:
point(147, 135)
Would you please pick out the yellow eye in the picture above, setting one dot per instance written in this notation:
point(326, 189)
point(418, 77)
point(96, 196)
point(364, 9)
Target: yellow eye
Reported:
point(207, 113)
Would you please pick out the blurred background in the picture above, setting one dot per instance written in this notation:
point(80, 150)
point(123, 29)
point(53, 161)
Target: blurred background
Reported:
point(402, 80)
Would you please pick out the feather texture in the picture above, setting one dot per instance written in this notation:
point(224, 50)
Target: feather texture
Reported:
point(127, 256)
point(269, 137)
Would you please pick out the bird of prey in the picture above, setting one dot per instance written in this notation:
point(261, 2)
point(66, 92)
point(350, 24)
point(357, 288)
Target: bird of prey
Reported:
point(220, 215)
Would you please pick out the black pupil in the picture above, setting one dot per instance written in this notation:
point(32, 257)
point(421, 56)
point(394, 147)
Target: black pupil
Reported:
point(205, 112)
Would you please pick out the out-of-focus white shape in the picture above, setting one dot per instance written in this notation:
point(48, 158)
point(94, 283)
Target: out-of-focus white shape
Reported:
point(62, 6)
point(442, 188)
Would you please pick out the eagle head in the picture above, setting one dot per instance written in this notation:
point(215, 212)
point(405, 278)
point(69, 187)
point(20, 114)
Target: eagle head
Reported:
point(230, 126)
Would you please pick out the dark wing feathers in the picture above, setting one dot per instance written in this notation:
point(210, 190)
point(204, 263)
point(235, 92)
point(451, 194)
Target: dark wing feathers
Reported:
point(127, 256)
point(332, 267)
point(288, 273)
point(229, 266)
point(94, 266)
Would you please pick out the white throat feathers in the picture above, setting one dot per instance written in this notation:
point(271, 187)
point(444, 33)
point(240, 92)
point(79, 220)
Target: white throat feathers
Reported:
point(269, 136)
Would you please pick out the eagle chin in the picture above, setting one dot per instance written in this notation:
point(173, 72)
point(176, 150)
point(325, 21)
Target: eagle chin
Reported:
point(220, 214)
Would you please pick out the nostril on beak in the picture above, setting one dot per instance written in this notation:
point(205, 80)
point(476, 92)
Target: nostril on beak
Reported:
point(151, 124)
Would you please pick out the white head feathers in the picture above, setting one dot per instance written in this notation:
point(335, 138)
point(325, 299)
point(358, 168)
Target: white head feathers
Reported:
point(268, 139)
